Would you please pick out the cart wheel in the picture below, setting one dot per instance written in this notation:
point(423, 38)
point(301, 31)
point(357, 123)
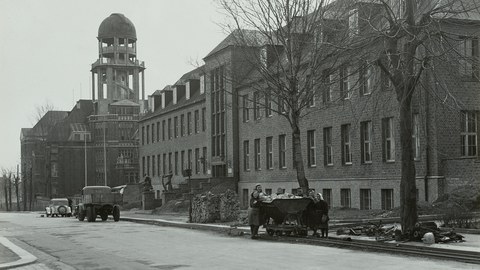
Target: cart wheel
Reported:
point(288, 233)
point(270, 232)
point(278, 233)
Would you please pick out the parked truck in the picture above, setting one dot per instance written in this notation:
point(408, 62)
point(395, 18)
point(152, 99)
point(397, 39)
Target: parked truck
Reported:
point(101, 201)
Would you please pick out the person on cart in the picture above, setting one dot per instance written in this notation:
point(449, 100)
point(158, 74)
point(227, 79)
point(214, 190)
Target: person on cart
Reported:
point(254, 216)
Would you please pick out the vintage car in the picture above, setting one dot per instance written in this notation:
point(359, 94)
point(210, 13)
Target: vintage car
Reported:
point(58, 207)
point(99, 201)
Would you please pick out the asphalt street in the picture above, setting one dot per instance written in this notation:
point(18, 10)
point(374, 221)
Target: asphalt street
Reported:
point(66, 243)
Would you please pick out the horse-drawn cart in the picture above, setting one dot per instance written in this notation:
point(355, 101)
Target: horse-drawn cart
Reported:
point(286, 216)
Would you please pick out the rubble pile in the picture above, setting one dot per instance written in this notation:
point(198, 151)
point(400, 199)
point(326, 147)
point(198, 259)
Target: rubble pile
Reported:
point(209, 207)
point(229, 206)
point(205, 208)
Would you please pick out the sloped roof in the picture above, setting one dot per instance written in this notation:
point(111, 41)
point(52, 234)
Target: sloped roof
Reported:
point(240, 37)
point(193, 74)
point(124, 102)
point(43, 126)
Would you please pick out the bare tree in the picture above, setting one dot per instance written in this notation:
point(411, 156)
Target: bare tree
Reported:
point(302, 42)
point(290, 52)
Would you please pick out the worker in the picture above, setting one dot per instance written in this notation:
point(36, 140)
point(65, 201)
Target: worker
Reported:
point(254, 217)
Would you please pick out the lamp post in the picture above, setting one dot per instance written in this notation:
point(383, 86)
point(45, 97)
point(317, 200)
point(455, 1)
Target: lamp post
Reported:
point(105, 151)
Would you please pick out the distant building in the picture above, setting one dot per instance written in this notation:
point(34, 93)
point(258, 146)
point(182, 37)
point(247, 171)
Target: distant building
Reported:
point(96, 143)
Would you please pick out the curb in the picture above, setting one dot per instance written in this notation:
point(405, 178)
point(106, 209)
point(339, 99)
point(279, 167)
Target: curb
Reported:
point(194, 226)
point(25, 257)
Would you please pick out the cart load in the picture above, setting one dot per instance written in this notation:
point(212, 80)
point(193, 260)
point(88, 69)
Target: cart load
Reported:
point(286, 216)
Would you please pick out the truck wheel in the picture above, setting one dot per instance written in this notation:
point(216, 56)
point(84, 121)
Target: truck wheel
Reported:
point(81, 215)
point(104, 216)
point(116, 213)
point(91, 215)
point(62, 210)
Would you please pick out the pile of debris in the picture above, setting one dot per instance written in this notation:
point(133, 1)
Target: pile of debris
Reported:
point(377, 230)
point(390, 232)
point(209, 207)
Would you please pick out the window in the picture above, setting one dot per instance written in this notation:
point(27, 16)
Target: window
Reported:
point(182, 125)
point(416, 137)
point(175, 127)
point(353, 23)
point(143, 166)
point(189, 123)
point(153, 165)
point(197, 121)
point(246, 112)
point(197, 161)
point(246, 155)
point(327, 196)
point(218, 113)
point(345, 92)
point(328, 148)
point(387, 199)
point(148, 165)
point(388, 140)
point(311, 148)
point(367, 78)
point(256, 105)
point(182, 160)
point(327, 89)
point(257, 153)
point(468, 133)
point(158, 131)
point(346, 145)
point(170, 128)
point(163, 130)
point(153, 132)
point(366, 141)
point(165, 164)
point(204, 160)
point(148, 134)
point(469, 57)
point(282, 149)
point(176, 163)
point(282, 106)
point(268, 105)
point(170, 167)
point(204, 119)
point(269, 152)
point(345, 198)
point(309, 90)
point(158, 165)
point(189, 159)
point(365, 199)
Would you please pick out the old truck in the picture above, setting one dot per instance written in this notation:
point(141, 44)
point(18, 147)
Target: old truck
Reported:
point(101, 201)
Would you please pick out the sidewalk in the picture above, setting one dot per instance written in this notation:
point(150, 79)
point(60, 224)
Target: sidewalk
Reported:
point(13, 256)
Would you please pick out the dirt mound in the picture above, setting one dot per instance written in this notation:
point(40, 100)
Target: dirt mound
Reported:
point(174, 206)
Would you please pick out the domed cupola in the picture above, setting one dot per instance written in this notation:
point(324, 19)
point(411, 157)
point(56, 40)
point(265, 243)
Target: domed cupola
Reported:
point(117, 25)
point(116, 73)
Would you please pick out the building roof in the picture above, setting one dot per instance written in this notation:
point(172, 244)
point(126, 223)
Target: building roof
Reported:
point(117, 25)
point(193, 74)
point(124, 102)
point(239, 37)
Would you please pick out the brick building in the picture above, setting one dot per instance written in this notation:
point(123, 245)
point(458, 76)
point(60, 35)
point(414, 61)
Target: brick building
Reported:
point(350, 138)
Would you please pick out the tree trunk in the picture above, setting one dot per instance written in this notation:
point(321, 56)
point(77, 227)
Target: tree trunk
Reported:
point(16, 193)
point(297, 148)
point(10, 191)
point(6, 194)
point(408, 190)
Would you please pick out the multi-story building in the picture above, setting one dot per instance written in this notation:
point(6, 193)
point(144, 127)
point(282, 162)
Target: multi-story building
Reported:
point(350, 134)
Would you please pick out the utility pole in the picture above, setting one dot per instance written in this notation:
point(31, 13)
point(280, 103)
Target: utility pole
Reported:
point(105, 151)
point(10, 190)
point(85, 146)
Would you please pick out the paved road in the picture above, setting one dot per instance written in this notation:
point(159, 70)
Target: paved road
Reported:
point(65, 243)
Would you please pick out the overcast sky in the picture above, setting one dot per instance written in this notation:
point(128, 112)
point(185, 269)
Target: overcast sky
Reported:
point(47, 48)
